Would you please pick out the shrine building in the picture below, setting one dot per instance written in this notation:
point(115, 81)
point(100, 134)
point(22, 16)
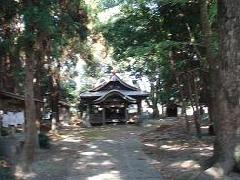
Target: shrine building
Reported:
point(109, 102)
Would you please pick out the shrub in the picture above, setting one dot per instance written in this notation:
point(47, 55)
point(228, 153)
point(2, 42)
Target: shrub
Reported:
point(44, 141)
point(4, 132)
point(6, 172)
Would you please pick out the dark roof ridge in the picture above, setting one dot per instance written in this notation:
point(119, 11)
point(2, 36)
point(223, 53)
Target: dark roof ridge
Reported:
point(114, 77)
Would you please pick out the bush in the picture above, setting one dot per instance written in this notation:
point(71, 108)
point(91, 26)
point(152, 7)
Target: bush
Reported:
point(44, 141)
point(6, 172)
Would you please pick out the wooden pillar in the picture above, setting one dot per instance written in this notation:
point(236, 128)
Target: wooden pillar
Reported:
point(104, 116)
point(86, 116)
point(126, 111)
point(139, 108)
point(88, 111)
point(1, 114)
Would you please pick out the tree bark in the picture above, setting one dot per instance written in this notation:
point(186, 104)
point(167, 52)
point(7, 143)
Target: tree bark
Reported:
point(228, 123)
point(154, 98)
point(156, 113)
point(55, 93)
point(30, 110)
point(209, 74)
point(194, 102)
point(1, 73)
point(38, 92)
point(177, 78)
point(183, 103)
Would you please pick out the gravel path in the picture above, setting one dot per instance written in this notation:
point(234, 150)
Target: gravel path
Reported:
point(110, 153)
point(116, 157)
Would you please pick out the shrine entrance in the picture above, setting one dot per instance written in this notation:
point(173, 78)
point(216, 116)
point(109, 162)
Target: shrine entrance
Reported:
point(115, 114)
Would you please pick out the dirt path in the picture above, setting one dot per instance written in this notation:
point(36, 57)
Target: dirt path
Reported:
point(102, 153)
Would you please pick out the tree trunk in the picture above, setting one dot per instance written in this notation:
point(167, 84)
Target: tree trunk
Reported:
point(183, 103)
point(209, 78)
point(39, 74)
point(38, 89)
point(1, 72)
point(154, 98)
point(30, 110)
point(156, 113)
point(55, 97)
point(196, 112)
point(177, 77)
point(184, 113)
point(228, 123)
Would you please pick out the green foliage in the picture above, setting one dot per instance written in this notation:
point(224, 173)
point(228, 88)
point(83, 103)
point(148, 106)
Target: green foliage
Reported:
point(147, 31)
point(213, 11)
point(106, 4)
point(68, 89)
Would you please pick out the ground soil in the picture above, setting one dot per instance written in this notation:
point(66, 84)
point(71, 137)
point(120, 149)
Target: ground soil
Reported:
point(169, 149)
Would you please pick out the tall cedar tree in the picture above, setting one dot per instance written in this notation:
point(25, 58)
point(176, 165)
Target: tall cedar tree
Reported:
point(228, 123)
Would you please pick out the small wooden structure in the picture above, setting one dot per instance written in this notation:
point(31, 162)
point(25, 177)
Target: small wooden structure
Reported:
point(109, 102)
point(11, 101)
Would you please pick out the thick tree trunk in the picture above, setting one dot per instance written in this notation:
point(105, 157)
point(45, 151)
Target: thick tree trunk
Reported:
point(210, 77)
point(228, 123)
point(39, 75)
point(38, 95)
point(30, 110)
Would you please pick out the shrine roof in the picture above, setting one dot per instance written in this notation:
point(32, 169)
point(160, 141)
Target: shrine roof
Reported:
point(114, 79)
point(115, 86)
point(103, 93)
point(114, 92)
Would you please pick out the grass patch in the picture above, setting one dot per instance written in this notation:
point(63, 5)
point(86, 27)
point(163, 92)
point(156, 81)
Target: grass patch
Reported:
point(94, 135)
point(98, 133)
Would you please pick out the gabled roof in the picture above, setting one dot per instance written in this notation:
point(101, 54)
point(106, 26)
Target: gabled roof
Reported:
point(16, 96)
point(114, 78)
point(112, 93)
point(114, 87)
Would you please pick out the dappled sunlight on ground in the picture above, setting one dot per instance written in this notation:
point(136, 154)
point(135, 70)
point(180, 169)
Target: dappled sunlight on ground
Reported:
point(179, 156)
point(114, 157)
point(98, 153)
